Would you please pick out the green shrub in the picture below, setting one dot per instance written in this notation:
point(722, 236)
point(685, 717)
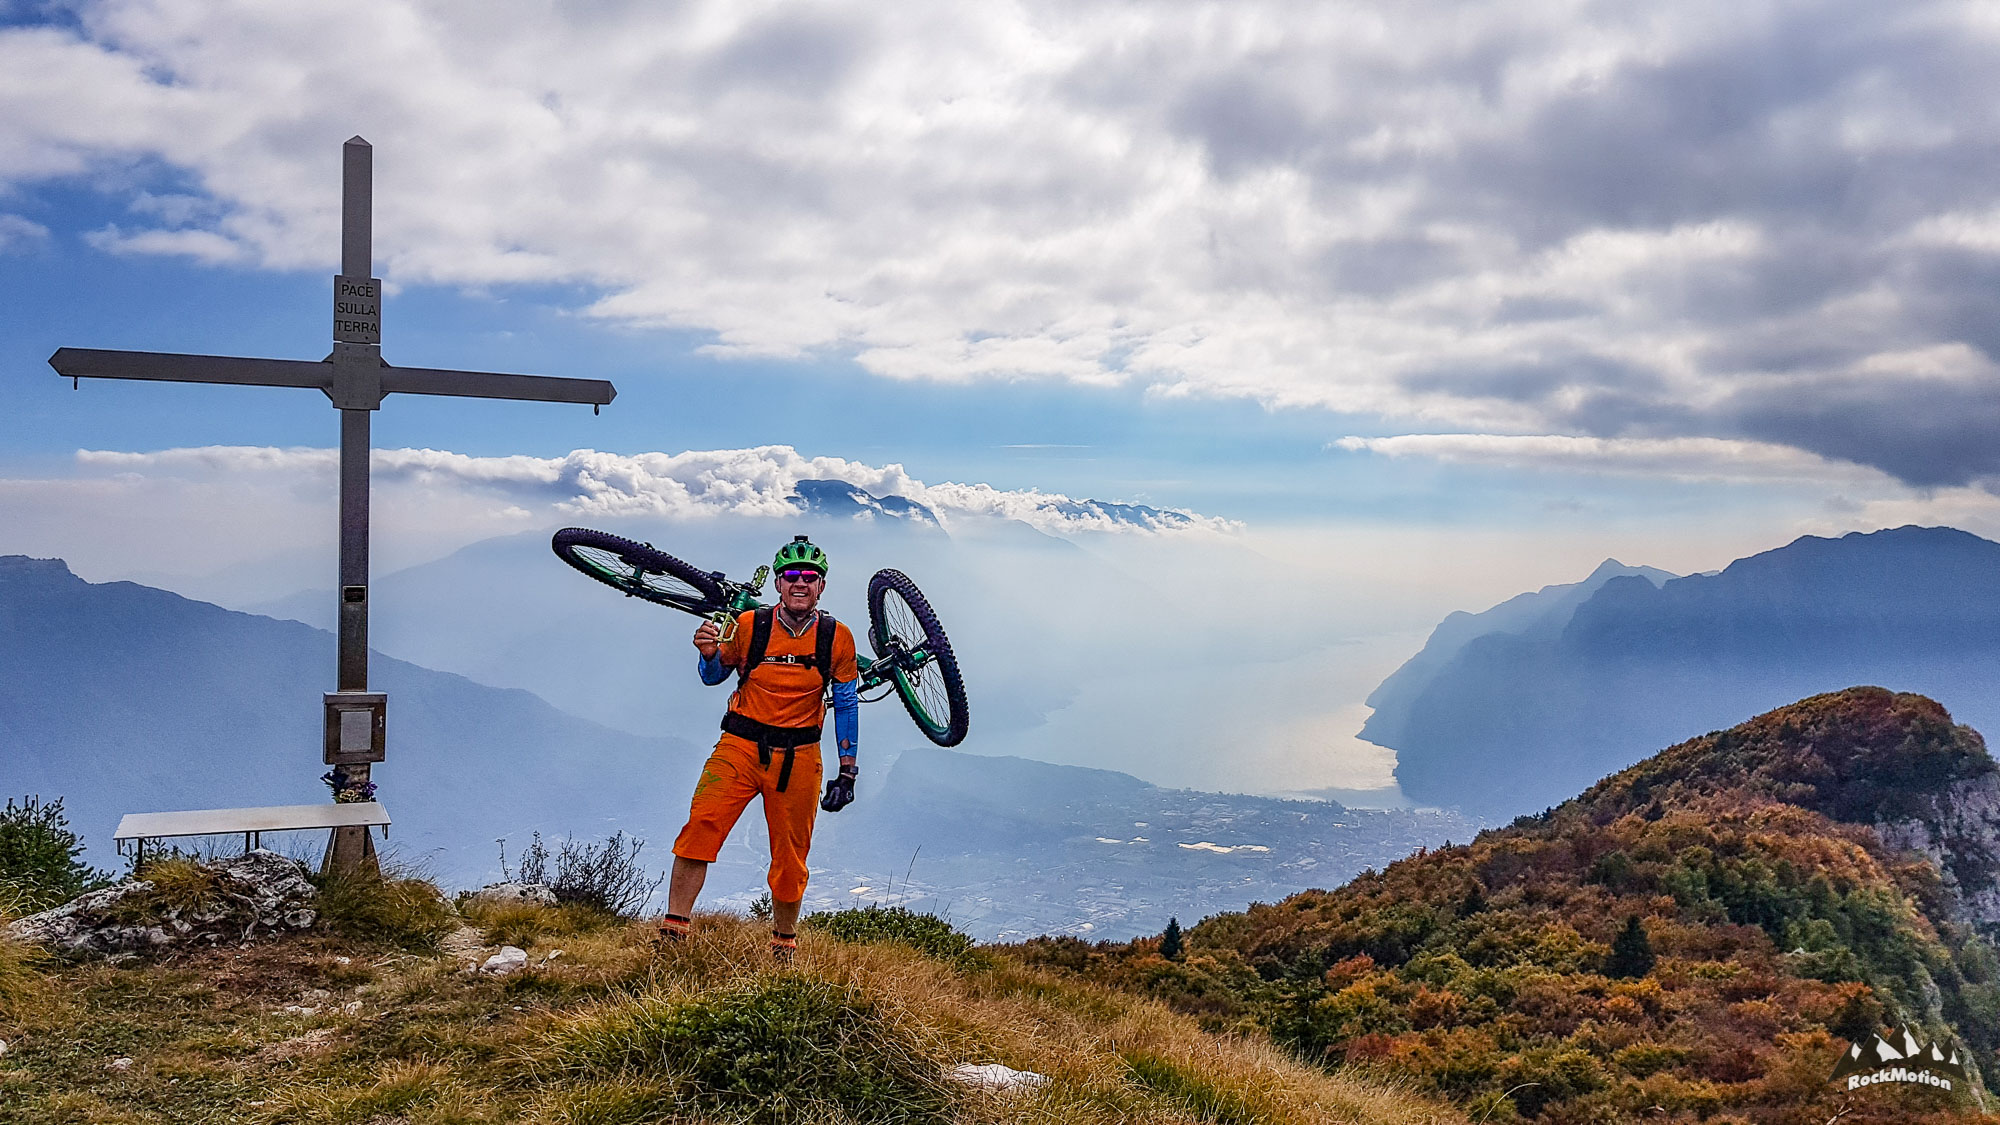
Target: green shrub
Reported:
point(408, 913)
point(604, 876)
point(1542, 1076)
point(1643, 1060)
point(928, 934)
point(39, 867)
point(787, 1048)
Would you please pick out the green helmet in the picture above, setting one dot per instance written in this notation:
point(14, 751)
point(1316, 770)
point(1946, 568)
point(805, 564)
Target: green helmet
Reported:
point(799, 552)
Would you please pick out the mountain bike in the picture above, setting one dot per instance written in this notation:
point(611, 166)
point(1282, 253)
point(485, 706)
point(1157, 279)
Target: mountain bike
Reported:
point(912, 660)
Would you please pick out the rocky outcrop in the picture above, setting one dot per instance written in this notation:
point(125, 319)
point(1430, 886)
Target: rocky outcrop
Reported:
point(515, 894)
point(1958, 829)
point(256, 893)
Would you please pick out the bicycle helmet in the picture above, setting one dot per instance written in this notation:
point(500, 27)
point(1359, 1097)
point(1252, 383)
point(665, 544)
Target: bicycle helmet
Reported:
point(799, 552)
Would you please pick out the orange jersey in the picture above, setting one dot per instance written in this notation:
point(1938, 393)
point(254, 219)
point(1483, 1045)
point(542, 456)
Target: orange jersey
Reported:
point(786, 695)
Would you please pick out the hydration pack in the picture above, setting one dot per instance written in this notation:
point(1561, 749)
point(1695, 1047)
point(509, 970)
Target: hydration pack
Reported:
point(820, 661)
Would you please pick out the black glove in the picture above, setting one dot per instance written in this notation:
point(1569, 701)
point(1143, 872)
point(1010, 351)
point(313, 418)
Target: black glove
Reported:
point(840, 791)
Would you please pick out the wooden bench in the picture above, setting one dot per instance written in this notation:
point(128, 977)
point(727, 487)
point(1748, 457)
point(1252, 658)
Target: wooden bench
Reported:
point(252, 823)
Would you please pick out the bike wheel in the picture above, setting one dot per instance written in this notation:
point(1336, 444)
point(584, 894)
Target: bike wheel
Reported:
point(639, 570)
point(904, 631)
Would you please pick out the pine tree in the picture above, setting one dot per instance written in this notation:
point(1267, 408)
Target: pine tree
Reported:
point(39, 867)
point(1170, 942)
point(1473, 903)
point(1631, 951)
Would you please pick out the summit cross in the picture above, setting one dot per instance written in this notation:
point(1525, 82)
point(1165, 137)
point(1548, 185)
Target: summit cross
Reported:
point(355, 378)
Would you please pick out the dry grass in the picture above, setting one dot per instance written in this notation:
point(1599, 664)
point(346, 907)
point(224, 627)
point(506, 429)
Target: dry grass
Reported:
point(531, 925)
point(24, 987)
point(392, 907)
point(617, 1033)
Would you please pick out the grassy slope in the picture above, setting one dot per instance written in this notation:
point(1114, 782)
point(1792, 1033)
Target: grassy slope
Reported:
point(612, 1032)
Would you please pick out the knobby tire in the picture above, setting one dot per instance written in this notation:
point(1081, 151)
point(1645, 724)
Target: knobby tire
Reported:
point(639, 570)
point(904, 630)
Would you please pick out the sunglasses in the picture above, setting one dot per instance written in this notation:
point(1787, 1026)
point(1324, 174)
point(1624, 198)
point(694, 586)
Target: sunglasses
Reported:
point(800, 575)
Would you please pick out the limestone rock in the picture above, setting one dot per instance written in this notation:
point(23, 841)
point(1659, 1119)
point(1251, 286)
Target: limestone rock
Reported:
point(510, 959)
point(508, 894)
point(1959, 830)
point(255, 893)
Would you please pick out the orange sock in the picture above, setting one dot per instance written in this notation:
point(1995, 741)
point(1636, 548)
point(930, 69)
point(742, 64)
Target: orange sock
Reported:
point(673, 927)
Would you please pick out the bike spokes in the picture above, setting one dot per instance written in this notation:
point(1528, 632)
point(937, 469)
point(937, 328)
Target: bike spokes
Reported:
point(639, 570)
point(905, 633)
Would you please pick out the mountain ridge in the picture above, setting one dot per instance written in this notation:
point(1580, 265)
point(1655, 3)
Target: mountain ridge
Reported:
point(125, 698)
point(1689, 939)
point(1638, 665)
point(1542, 611)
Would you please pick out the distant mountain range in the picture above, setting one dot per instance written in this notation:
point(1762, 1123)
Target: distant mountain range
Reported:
point(122, 698)
point(840, 499)
point(1510, 711)
point(1541, 615)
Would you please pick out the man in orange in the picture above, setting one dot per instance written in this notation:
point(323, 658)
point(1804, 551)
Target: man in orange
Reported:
point(786, 657)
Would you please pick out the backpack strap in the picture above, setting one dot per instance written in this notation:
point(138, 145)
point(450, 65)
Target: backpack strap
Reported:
point(823, 649)
point(760, 640)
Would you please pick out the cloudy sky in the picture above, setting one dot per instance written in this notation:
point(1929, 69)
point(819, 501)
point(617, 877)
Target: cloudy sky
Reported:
point(1448, 300)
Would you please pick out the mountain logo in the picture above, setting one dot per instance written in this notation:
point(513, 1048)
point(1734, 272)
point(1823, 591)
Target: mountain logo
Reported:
point(1899, 1056)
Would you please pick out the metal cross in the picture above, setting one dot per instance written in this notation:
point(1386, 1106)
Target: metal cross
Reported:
point(355, 378)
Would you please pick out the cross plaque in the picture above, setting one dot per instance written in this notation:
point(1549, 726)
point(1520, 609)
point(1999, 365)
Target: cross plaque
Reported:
point(355, 378)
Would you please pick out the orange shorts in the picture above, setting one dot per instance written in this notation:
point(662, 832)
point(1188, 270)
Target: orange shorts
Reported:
point(729, 779)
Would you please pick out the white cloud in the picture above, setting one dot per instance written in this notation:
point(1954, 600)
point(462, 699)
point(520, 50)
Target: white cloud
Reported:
point(201, 245)
point(698, 483)
point(18, 233)
point(1690, 459)
point(1370, 208)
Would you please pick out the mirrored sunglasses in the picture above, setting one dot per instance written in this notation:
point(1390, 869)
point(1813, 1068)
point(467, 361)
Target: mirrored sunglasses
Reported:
point(800, 575)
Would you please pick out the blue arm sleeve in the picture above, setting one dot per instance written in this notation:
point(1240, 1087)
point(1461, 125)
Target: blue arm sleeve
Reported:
point(712, 670)
point(847, 716)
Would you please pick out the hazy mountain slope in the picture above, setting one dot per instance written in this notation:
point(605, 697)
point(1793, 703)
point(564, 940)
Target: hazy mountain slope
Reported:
point(122, 698)
point(1516, 722)
point(1776, 923)
point(1540, 614)
point(1093, 648)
